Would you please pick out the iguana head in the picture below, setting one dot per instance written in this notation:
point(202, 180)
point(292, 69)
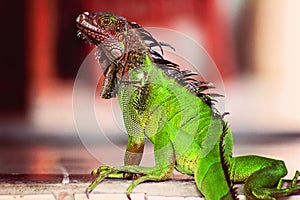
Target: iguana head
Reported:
point(121, 45)
point(104, 30)
point(107, 32)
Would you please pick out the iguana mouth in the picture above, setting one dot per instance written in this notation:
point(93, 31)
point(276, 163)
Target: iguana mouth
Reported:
point(88, 31)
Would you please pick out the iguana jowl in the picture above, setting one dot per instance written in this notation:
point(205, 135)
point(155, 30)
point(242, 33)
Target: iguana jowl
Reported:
point(164, 103)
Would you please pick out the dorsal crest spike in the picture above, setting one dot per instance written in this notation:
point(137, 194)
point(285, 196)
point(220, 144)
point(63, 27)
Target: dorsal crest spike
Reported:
point(225, 163)
point(184, 77)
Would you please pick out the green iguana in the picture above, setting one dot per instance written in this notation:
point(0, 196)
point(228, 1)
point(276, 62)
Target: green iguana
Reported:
point(176, 113)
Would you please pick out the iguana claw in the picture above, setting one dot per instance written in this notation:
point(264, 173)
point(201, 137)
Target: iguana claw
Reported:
point(128, 196)
point(295, 179)
point(103, 172)
point(87, 193)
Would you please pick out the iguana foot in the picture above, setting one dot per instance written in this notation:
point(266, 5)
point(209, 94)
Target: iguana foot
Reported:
point(147, 174)
point(151, 174)
point(106, 172)
point(275, 193)
point(292, 188)
point(103, 172)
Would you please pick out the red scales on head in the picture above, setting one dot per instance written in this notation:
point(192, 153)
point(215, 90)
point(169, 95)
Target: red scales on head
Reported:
point(108, 33)
point(97, 27)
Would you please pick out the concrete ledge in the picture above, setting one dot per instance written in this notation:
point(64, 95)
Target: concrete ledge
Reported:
point(166, 188)
point(28, 197)
point(108, 189)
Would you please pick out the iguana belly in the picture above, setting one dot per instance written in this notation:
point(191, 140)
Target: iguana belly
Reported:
point(188, 155)
point(187, 162)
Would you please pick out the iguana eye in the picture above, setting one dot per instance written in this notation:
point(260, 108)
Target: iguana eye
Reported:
point(105, 21)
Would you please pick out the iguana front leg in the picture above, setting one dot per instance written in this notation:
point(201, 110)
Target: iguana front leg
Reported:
point(134, 152)
point(263, 177)
point(163, 169)
point(133, 156)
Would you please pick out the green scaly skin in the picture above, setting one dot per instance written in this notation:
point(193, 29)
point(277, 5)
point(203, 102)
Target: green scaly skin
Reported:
point(158, 101)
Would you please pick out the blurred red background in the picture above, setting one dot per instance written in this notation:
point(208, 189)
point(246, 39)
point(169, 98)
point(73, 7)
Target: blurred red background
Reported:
point(39, 43)
point(253, 44)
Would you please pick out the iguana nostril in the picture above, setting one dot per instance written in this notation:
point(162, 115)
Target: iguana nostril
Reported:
point(80, 18)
